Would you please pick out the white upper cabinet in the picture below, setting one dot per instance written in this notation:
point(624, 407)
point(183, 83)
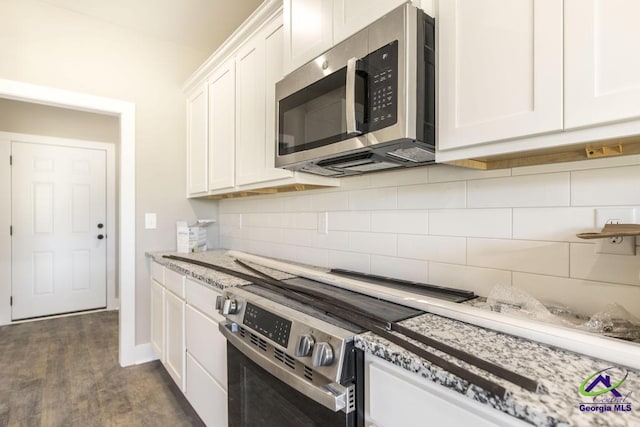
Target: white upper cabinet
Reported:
point(231, 107)
point(500, 70)
point(308, 30)
point(602, 67)
point(258, 68)
point(197, 142)
point(222, 124)
point(314, 26)
point(350, 16)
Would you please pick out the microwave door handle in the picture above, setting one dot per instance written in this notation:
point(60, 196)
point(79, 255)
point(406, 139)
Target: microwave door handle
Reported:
point(352, 125)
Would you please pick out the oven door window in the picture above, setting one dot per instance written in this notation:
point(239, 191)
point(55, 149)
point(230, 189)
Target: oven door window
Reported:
point(316, 115)
point(256, 398)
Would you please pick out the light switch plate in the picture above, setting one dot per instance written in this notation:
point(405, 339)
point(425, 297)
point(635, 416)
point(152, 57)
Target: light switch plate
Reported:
point(150, 221)
point(323, 222)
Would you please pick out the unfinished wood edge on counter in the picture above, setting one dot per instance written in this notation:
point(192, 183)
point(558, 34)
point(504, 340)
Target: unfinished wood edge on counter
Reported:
point(585, 151)
point(265, 190)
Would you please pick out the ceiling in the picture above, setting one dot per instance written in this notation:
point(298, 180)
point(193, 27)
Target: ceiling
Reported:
point(199, 24)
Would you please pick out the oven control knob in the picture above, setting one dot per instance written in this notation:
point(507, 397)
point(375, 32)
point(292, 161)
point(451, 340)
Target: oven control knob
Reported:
point(230, 306)
point(322, 354)
point(305, 345)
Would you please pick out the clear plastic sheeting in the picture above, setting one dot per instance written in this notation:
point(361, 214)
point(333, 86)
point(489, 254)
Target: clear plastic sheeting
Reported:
point(614, 321)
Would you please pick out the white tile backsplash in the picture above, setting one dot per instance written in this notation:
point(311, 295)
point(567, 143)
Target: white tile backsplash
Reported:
point(555, 224)
point(456, 227)
point(433, 196)
point(402, 222)
point(471, 222)
point(376, 198)
point(610, 186)
point(350, 261)
point(373, 243)
point(446, 173)
point(570, 293)
point(520, 255)
point(350, 221)
point(432, 248)
point(478, 280)
point(520, 191)
point(587, 264)
point(399, 268)
point(330, 202)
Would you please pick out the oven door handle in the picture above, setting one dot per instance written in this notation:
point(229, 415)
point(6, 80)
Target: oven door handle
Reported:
point(350, 98)
point(333, 396)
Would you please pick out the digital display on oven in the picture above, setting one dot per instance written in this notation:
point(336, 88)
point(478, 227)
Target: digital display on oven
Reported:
point(268, 324)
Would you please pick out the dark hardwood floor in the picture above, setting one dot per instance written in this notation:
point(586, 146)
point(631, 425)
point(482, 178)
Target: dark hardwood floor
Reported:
point(65, 372)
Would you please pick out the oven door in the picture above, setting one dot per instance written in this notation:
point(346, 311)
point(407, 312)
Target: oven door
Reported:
point(261, 393)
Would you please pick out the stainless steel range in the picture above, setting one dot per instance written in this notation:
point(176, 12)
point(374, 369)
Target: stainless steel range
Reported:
point(290, 363)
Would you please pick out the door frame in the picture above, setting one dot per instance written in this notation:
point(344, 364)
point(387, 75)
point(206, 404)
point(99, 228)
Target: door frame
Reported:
point(129, 352)
point(109, 148)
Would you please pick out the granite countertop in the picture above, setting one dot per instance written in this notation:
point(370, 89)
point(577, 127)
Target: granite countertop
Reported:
point(560, 372)
point(211, 277)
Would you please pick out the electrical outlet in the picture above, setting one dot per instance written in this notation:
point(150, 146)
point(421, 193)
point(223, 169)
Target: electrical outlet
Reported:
point(617, 245)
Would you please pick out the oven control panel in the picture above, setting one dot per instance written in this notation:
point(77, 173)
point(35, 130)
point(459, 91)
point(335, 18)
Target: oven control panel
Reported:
point(298, 340)
point(268, 324)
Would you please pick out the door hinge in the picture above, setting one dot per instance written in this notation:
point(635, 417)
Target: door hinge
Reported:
point(11, 301)
point(10, 160)
point(11, 230)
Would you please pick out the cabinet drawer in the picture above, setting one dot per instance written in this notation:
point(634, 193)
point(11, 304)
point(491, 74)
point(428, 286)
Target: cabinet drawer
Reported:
point(203, 298)
point(205, 395)
point(174, 282)
point(206, 344)
point(396, 397)
point(157, 272)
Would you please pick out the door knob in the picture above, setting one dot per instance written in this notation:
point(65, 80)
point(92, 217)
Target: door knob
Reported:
point(100, 237)
point(100, 225)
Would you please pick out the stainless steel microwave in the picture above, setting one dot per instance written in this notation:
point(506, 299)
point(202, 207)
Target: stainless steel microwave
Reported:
point(367, 104)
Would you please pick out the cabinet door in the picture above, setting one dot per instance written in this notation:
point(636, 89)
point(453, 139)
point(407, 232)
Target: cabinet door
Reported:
point(396, 397)
point(602, 68)
point(157, 319)
point(205, 395)
point(207, 344)
point(222, 127)
point(500, 70)
point(175, 345)
point(350, 16)
point(307, 31)
point(197, 142)
point(259, 67)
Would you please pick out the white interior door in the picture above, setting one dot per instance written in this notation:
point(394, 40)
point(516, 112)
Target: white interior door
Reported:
point(58, 200)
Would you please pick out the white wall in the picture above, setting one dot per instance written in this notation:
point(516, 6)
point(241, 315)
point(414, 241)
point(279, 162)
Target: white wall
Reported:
point(50, 46)
point(36, 119)
point(457, 227)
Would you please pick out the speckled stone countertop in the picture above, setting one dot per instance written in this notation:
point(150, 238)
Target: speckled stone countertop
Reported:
point(560, 372)
point(211, 277)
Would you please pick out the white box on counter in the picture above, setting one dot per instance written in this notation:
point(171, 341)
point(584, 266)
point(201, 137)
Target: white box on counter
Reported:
point(192, 237)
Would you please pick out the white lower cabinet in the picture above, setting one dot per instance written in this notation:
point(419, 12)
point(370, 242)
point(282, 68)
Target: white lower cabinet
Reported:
point(174, 360)
point(186, 338)
point(205, 395)
point(397, 397)
point(206, 355)
point(157, 319)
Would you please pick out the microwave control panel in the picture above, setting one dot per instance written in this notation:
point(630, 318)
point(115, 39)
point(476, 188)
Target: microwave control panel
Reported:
point(383, 86)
